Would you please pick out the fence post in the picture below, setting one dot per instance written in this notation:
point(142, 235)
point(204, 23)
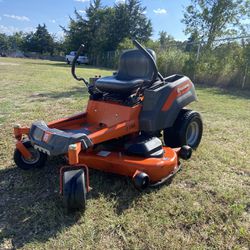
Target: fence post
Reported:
point(196, 60)
point(245, 76)
point(198, 52)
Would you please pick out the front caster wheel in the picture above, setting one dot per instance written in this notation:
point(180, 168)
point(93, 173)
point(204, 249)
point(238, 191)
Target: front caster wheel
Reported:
point(37, 160)
point(185, 152)
point(141, 180)
point(74, 190)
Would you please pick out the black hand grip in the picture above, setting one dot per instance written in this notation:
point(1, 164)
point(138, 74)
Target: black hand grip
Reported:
point(148, 55)
point(73, 67)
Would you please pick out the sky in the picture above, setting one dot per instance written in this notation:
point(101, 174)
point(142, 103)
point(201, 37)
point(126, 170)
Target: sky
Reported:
point(25, 15)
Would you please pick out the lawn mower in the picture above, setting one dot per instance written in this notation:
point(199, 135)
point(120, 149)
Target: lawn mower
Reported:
point(120, 131)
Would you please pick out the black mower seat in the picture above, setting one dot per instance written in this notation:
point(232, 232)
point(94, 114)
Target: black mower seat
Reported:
point(111, 84)
point(135, 71)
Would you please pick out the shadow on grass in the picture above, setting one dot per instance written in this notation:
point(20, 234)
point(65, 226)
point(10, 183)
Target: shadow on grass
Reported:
point(73, 92)
point(65, 65)
point(234, 93)
point(31, 208)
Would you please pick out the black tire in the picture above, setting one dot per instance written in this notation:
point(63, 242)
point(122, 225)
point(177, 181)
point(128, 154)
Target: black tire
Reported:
point(74, 190)
point(141, 181)
point(68, 62)
point(38, 160)
point(187, 130)
point(185, 152)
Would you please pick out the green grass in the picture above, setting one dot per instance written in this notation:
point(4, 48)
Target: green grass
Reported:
point(207, 206)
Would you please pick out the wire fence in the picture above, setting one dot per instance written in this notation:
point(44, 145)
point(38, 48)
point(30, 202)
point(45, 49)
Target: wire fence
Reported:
point(225, 63)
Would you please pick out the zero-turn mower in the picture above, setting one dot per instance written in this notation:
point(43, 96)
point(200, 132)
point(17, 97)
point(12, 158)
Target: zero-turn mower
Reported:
point(120, 131)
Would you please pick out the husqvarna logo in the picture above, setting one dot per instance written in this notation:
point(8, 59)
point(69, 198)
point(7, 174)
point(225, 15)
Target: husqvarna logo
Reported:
point(182, 88)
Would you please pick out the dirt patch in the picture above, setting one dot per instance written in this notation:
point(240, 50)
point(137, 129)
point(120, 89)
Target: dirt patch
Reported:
point(8, 64)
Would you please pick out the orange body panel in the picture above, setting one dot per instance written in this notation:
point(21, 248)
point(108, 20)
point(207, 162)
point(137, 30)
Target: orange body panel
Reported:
point(74, 153)
point(114, 120)
point(111, 114)
point(74, 121)
point(24, 151)
point(116, 162)
point(104, 120)
point(20, 131)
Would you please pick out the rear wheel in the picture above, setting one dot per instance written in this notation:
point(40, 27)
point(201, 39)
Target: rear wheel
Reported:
point(187, 130)
point(74, 190)
point(37, 160)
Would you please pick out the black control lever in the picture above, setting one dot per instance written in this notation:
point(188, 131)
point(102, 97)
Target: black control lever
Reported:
point(73, 67)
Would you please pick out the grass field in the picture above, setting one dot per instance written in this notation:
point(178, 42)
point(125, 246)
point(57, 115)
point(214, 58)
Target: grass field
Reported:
point(207, 206)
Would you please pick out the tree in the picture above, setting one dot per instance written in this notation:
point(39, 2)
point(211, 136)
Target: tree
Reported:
point(92, 30)
point(214, 18)
point(130, 21)
point(125, 44)
point(76, 34)
point(4, 45)
point(192, 42)
point(104, 28)
point(99, 20)
point(41, 41)
point(165, 40)
point(16, 41)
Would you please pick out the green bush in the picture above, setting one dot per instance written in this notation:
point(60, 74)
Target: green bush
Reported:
point(224, 65)
point(172, 61)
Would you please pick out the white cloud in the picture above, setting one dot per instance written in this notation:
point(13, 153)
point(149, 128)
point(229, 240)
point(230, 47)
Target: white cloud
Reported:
point(9, 30)
point(28, 29)
point(82, 1)
point(119, 1)
point(19, 18)
point(144, 12)
point(160, 11)
point(53, 21)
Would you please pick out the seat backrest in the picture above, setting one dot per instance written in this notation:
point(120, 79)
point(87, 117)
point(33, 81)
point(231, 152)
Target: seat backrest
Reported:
point(134, 64)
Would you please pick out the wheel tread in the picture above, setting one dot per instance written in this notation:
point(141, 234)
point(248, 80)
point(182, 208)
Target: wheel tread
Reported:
point(17, 157)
